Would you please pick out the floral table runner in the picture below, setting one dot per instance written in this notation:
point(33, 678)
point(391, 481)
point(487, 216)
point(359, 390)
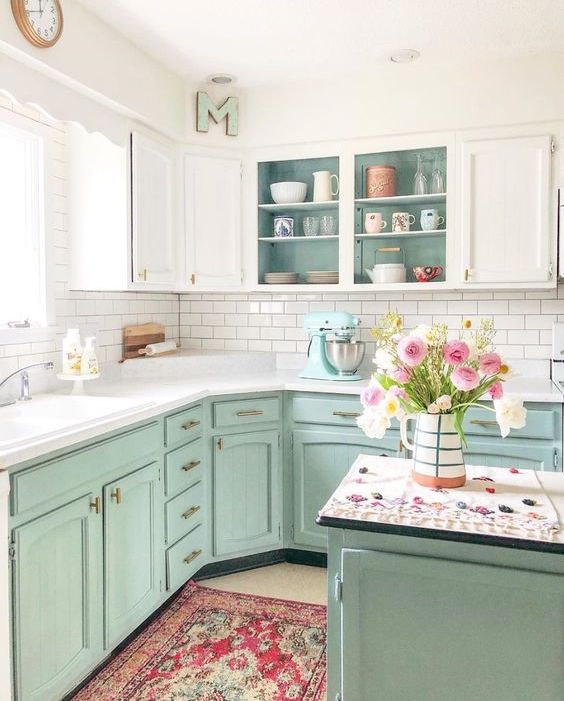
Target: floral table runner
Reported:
point(499, 501)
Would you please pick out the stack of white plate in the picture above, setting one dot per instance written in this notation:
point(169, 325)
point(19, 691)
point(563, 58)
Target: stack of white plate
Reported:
point(281, 278)
point(322, 277)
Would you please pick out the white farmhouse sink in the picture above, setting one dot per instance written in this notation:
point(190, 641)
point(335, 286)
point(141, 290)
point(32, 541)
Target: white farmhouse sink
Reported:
point(46, 415)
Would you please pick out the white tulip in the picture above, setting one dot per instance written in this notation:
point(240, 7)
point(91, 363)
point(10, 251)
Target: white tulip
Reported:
point(510, 413)
point(471, 343)
point(433, 408)
point(374, 422)
point(444, 402)
point(383, 359)
point(423, 332)
point(390, 405)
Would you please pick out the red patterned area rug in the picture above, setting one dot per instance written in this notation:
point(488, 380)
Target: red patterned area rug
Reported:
point(213, 645)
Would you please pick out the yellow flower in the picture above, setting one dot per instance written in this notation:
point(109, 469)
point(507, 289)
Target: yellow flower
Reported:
point(466, 324)
point(390, 406)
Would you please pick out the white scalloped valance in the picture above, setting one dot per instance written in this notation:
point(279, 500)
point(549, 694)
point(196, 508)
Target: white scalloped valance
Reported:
point(27, 86)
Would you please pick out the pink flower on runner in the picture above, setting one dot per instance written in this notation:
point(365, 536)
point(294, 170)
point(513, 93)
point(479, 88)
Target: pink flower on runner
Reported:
point(496, 390)
point(412, 351)
point(465, 379)
point(401, 375)
point(455, 352)
point(371, 395)
point(490, 364)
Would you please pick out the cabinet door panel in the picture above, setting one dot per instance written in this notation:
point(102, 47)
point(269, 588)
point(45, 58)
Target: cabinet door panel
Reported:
point(132, 558)
point(57, 601)
point(503, 452)
point(505, 209)
point(246, 491)
point(321, 459)
point(212, 205)
point(154, 237)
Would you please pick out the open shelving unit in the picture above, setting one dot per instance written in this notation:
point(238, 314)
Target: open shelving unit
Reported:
point(313, 252)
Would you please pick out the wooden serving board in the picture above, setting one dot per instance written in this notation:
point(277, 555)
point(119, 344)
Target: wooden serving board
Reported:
point(137, 337)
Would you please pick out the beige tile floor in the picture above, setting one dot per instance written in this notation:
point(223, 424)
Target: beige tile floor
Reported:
point(284, 581)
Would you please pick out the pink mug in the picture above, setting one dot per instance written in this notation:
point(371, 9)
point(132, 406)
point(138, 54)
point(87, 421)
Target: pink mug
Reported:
point(426, 273)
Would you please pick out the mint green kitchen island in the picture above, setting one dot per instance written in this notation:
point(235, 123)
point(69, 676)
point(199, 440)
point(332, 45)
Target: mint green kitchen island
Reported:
point(425, 613)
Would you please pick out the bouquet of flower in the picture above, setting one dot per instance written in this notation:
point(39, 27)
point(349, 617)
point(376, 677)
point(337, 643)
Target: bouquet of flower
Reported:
point(428, 371)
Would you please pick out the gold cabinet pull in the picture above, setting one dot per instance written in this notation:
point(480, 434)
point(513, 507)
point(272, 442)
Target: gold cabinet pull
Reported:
point(190, 425)
point(390, 249)
point(191, 465)
point(252, 412)
point(349, 414)
point(400, 447)
point(193, 555)
point(467, 273)
point(193, 278)
point(116, 494)
point(96, 505)
point(483, 422)
point(220, 443)
point(191, 511)
point(143, 275)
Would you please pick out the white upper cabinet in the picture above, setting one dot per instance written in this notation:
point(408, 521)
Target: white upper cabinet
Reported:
point(153, 173)
point(212, 214)
point(506, 216)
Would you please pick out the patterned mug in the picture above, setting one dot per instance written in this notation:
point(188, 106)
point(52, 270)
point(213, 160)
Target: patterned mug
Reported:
point(373, 223)
point(426, 273)
point(401, 221)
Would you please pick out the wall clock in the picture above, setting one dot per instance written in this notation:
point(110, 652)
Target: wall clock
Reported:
point(40, 21)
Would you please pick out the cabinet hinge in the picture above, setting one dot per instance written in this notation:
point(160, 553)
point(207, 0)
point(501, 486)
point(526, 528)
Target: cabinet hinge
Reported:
point(241, 170)
point(292, 440)
point(279, 531)
point(338, 588)
point(550, 270)
point(292, 532)
point(11, 551)
point(552, 146)
point(555, 458)
point(279, 440)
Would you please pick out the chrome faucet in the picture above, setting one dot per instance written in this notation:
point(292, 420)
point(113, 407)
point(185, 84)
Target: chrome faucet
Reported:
point(25, 394)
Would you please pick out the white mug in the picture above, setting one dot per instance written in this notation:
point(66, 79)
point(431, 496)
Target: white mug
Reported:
point(373, 223)
point(322, 181)
point(431, 220)
point(401, 221)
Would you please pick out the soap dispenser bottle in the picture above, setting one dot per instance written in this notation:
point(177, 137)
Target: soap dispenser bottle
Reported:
point(89, 361)
point(72, 352)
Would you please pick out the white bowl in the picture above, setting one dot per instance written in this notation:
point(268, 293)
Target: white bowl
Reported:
point(288, 193)
point(387, 272)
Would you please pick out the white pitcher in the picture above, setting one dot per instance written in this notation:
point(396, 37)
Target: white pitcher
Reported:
point(322, 190)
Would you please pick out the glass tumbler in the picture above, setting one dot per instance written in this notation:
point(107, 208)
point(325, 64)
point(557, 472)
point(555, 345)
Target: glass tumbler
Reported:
point(328, 225)
point(311, 226)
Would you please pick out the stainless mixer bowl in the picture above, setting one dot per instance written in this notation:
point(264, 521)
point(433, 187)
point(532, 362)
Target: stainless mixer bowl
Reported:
point(345, 356)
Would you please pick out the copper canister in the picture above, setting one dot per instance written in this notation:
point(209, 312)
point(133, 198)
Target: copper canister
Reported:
point(380, 181)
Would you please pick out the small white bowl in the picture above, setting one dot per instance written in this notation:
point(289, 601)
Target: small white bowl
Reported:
point(288, 193)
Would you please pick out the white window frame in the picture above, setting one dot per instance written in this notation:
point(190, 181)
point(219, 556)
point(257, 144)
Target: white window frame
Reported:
point(43, 328)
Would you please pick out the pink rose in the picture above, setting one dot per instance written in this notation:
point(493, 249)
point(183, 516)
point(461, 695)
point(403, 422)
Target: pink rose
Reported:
point(412, 351)
point(465, 379)
point(401, 375)
point(496, 390)
point(455, 352)
point(371, 395)
point(490, 363)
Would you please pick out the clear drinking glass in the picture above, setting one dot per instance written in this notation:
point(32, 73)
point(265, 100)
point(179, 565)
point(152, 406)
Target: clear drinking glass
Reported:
point(437, 178)
point(311, 226)
point(419, 180)
point(327, 225)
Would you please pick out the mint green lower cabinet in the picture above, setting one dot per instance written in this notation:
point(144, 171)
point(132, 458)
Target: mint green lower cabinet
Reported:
point(434, 629)
point(246, 492)
point(133, 545)
point(57, 600)
point(320, 461)
point(504, 452)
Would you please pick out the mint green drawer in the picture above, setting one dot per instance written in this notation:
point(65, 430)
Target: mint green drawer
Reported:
point(184, 426)
point(184, 512)
point(318, 410)
point(52, 479)
point(183, 467)
point(246, 412)
point(544, 424)
point(185, 558)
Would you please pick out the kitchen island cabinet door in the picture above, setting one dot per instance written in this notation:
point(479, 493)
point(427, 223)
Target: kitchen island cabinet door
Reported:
point(247, 492)
point(434, 629)
point(133, 551)
point(523, 454)
point(320, 461)
point(57, 600)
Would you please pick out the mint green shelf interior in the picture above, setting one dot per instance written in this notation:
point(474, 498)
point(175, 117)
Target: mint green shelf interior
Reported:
point(315, 253)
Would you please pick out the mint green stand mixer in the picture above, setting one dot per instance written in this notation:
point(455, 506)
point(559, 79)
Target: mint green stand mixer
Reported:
point(332, 353)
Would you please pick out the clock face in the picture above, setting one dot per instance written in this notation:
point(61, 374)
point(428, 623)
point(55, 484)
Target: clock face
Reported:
point(41, 21)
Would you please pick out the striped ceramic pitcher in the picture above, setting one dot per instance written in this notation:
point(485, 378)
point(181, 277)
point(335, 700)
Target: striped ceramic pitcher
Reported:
point(437, 450)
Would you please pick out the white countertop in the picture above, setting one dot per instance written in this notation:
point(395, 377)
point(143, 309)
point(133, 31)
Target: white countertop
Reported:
point(143, 389)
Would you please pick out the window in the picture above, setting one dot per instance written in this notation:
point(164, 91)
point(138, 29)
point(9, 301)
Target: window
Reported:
point(22, 240)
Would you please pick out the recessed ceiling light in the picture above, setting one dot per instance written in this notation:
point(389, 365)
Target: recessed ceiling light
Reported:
point(221, 78)
point(405, 56)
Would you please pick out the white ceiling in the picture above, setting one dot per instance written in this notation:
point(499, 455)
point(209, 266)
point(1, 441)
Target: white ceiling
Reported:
point(270, 42)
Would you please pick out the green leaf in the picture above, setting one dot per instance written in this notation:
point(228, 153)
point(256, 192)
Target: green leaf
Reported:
point(458, 417)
